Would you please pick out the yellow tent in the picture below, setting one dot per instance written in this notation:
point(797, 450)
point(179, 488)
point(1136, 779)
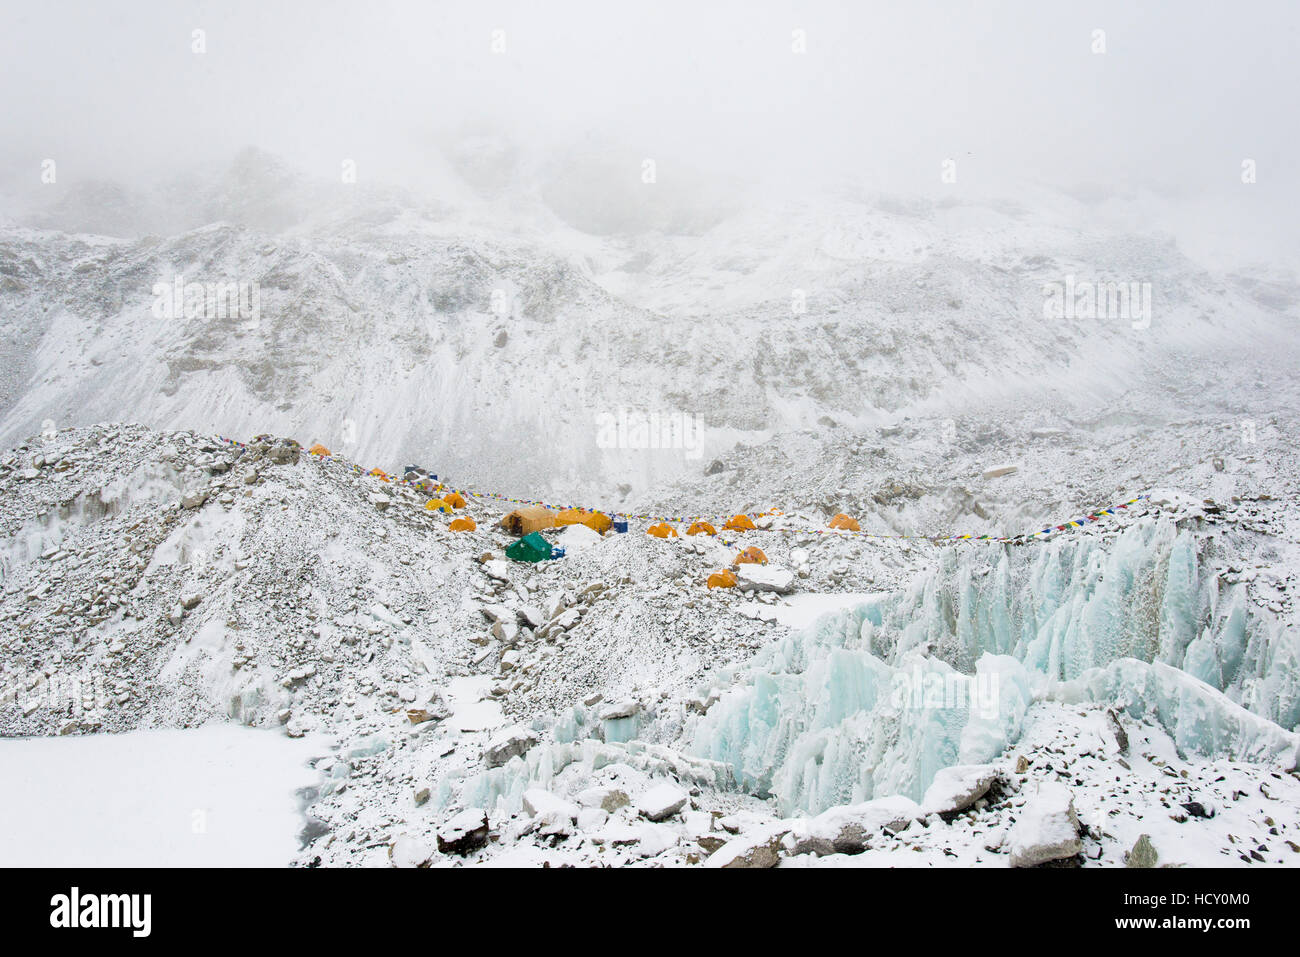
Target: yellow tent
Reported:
point(662, 530)
point(596, 521)
point(701, 528)
point(525, 521)
point(753, 555)
point(740, 523)
point(438, 505)
point(843, 521)
point(462, 524)
point(722, 579)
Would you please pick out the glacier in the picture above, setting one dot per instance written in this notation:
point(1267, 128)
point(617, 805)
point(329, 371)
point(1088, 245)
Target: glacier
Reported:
point(874, 700)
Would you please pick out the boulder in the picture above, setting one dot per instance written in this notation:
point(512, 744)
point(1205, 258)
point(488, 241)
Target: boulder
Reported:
point(541, 803)
point(607, 799)
point(849, 829)
point(958, 787)
point(464, 833)
point(620, 709)
point(761, 848)
point(408, 851)
point(760, 578)
point(662, 801)
point(510, 743)
point(1143, 853)
point(1047, 828)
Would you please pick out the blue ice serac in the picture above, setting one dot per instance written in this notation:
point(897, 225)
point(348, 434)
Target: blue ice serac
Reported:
point(875, 700)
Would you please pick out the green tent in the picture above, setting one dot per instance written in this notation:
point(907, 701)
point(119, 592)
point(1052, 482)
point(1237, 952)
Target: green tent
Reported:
point(530, 548)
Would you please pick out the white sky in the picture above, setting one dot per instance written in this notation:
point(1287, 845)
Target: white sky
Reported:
point(1012, 90)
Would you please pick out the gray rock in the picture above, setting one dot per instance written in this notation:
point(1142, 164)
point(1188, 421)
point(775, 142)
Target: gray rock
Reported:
point(958, 787)
point(1143, 853)
point(511, 743)
point(762, 849)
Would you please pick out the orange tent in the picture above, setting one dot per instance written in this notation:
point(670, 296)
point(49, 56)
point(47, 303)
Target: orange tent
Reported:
point(437, 505)
point(701, 528)
point(753, 555)
point(596, 521)
point(843, 521)
point(455, 500)
point(662, 531)
point(380, 474)
point(318, 449)
point(740, 523)
point(462, 524)
point(722, 579)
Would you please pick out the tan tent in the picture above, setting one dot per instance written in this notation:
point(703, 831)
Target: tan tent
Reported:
point(525, 521)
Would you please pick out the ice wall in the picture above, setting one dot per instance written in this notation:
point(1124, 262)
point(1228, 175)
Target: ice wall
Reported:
point(821, 721)
point(832, 715)
point(1076, 603)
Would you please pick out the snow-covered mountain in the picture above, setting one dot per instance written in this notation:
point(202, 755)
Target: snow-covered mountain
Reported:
point(486, 332)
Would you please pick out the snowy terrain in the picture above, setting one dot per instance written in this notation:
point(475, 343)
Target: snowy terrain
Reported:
point(216, 796)
point(208, 614)
point(1137, 676)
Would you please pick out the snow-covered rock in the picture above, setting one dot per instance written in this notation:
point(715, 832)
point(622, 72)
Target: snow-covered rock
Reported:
point(849, 829)
point(764, 578)
point(464, 833)
point(661, 801)
point(761, 848)
point(508, 744)
point(408, 851)
point(957, 787)
point(1047, 828)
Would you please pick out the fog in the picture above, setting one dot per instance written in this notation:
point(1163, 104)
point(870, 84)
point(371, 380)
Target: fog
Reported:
point(1013, 92)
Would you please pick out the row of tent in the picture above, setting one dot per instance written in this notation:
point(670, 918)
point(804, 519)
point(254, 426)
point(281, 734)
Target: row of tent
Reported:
point(529, 521)
point(534, 518)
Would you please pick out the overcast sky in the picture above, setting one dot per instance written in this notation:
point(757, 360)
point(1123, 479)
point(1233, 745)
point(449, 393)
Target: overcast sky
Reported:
point(1182, 94)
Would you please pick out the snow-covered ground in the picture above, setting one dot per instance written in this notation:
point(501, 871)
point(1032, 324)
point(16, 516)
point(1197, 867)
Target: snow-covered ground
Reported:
point(1127, 687)
point(215, 796)
point(1136, 676)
